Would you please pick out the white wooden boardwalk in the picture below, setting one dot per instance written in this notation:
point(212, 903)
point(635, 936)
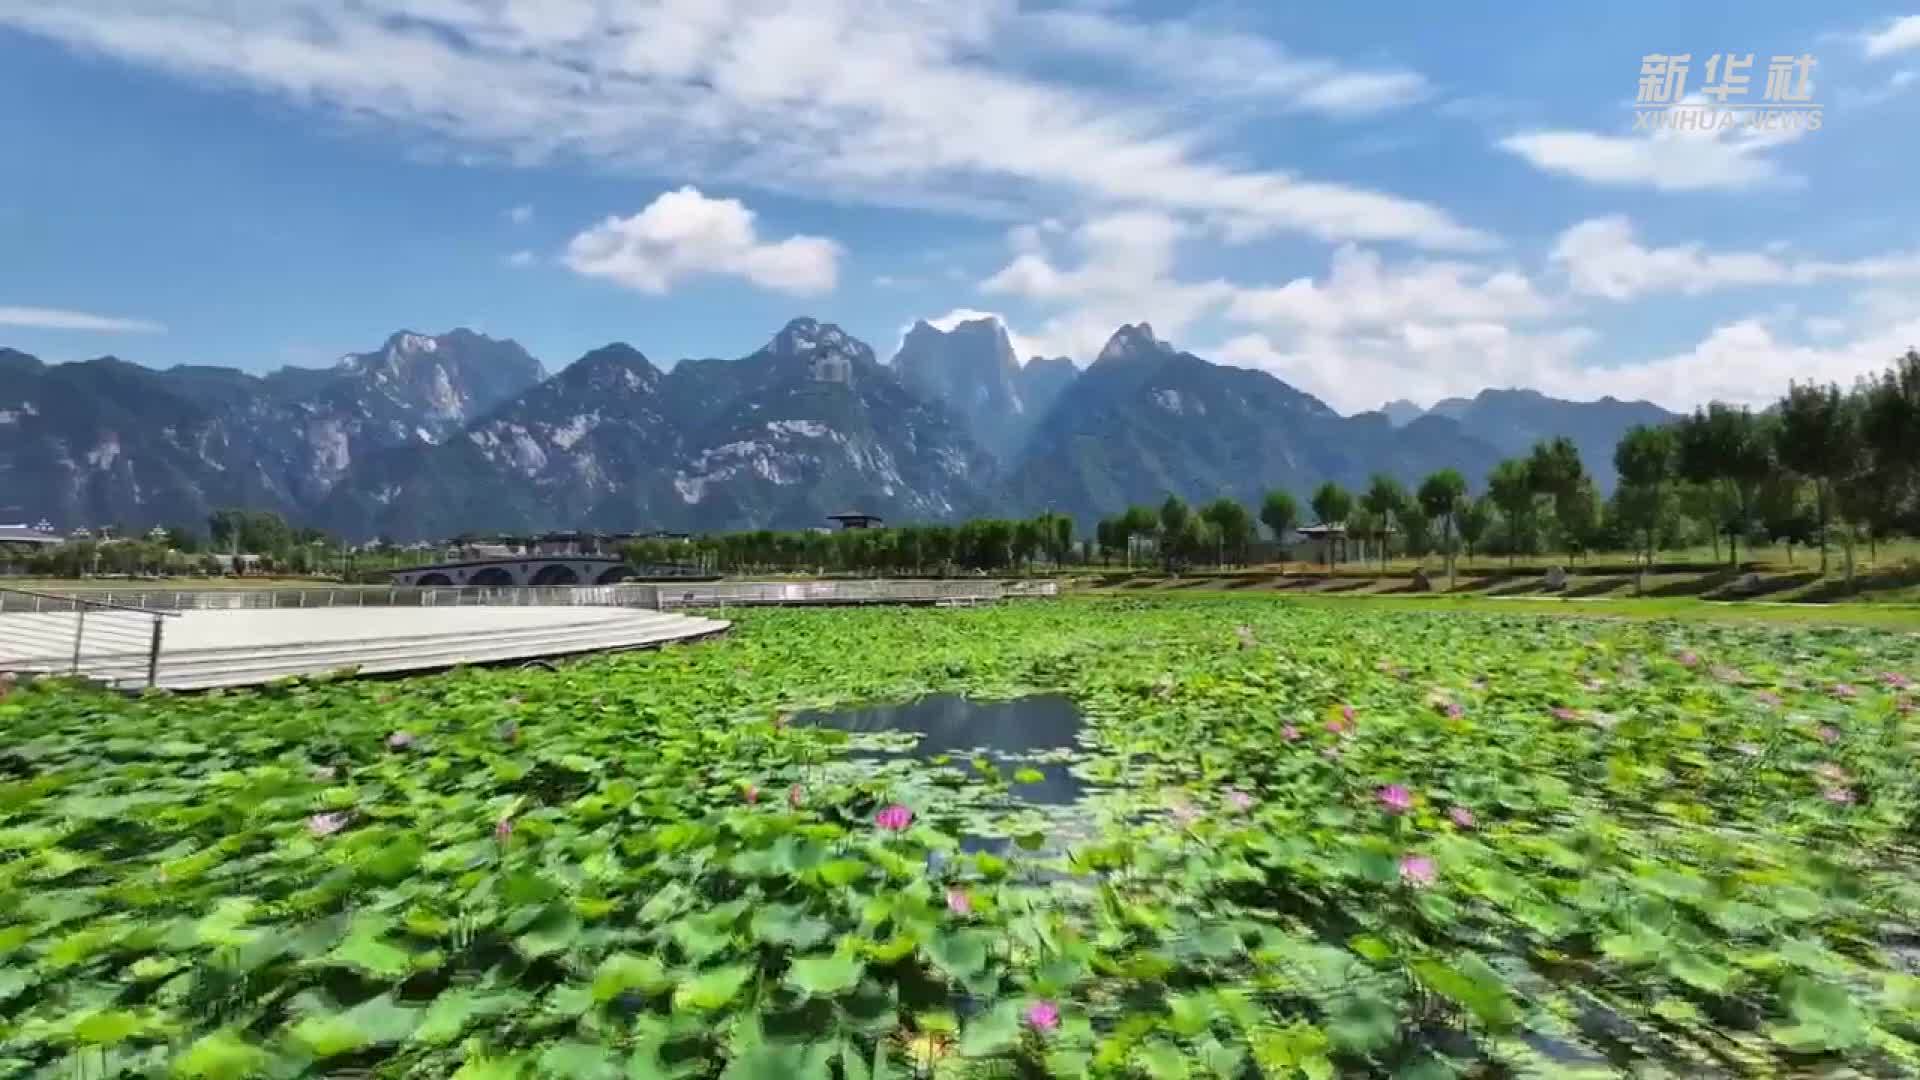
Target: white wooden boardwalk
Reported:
point(207, 649)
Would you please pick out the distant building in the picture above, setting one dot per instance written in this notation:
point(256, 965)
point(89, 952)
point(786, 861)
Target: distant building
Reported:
point(24, 539)
point(1326, 543)
point(855, 520)
point(832, 367)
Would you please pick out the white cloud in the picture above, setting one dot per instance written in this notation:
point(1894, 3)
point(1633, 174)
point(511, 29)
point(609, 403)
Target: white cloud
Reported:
point(1024, 348)
point(522, 258)
point(684, 233)
point(1422, 362)
point(1224, 63)
point(1122, 273)
point(1746, 361)
point(1603, 257)
point(520, 215)
point(1664, 159)
point(38, 318)
point(1360, 291)
point(904, 102)
point(1898, 35)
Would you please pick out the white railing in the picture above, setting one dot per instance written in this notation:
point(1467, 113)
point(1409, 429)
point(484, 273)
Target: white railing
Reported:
point(69, 633)
point(643, 595)
point(754, 593)
point(273, 599)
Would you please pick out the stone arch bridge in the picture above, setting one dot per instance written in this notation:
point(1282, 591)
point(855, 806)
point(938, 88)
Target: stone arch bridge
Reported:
point(528, 570)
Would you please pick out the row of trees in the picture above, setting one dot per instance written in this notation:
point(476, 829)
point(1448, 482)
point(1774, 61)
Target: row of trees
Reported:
point(1822, 464)
point(986, 545)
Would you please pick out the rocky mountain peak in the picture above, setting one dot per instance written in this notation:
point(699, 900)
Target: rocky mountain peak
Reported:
point(1401, 412)
point(816, 343)
point(1133, 341)
point(973, 371)
point(618, 368)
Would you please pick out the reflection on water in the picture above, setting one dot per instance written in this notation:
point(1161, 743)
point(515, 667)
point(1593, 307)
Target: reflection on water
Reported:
point(1008, 733)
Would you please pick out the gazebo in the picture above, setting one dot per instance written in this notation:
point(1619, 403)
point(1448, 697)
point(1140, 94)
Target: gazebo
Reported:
point(1327, 542)
point(854, 520)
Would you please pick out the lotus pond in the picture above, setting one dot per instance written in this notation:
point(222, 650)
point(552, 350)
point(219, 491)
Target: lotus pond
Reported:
point(1286, 841)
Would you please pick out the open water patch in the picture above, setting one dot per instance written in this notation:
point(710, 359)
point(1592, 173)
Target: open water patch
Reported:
point(1029, 743)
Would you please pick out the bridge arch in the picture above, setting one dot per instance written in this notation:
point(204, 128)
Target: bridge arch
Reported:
point(614, 575)
point(433, 581)
point(491, 577)
point(556, 574)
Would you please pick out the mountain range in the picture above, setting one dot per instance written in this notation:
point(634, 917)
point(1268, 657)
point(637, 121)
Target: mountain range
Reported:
point(434, 435)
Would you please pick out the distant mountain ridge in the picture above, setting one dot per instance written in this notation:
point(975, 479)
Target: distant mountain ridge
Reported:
point(433, 435)
point(1514, 419)
point(1146, 419)
point(104, 440)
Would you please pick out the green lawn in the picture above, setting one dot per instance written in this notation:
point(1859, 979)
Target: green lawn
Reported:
point(1688, 609)
point(1356, 838)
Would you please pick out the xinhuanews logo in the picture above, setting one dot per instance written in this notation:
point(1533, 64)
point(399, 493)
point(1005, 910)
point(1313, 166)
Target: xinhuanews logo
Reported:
point(1785, 103)
point(1691, 117)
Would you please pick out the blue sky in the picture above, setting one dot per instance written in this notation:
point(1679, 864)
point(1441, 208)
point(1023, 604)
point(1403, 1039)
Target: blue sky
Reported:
point(1369, 208)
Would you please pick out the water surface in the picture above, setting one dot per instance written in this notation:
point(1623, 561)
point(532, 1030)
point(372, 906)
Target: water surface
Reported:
point(1008, 733)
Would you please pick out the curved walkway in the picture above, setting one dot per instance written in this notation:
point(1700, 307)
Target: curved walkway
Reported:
point(203, 650)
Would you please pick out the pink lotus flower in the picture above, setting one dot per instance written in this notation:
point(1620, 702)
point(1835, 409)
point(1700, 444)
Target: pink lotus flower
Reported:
point(1903, 706)
point(795, 796)
point(751, 793)
point(1454, 711)
point(1844, 691)
point(1337, 726)
point(326, 824)
point(400, 740)
point(1418, 870)
point(1688, 658)
point(1043, 1015)
point(1346, 713)
point(894, 818)
point(503, 830)
point(1768, 698)
point(1396, 798)
point(1827, 770)
point(1240, 800)
point(1895, 680)
point(1290, 733)
point(1561, 712)
point(1462, 817)
point(1839, 795)
point(959, 902)
point(1829, 734)
point(1185, 814)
